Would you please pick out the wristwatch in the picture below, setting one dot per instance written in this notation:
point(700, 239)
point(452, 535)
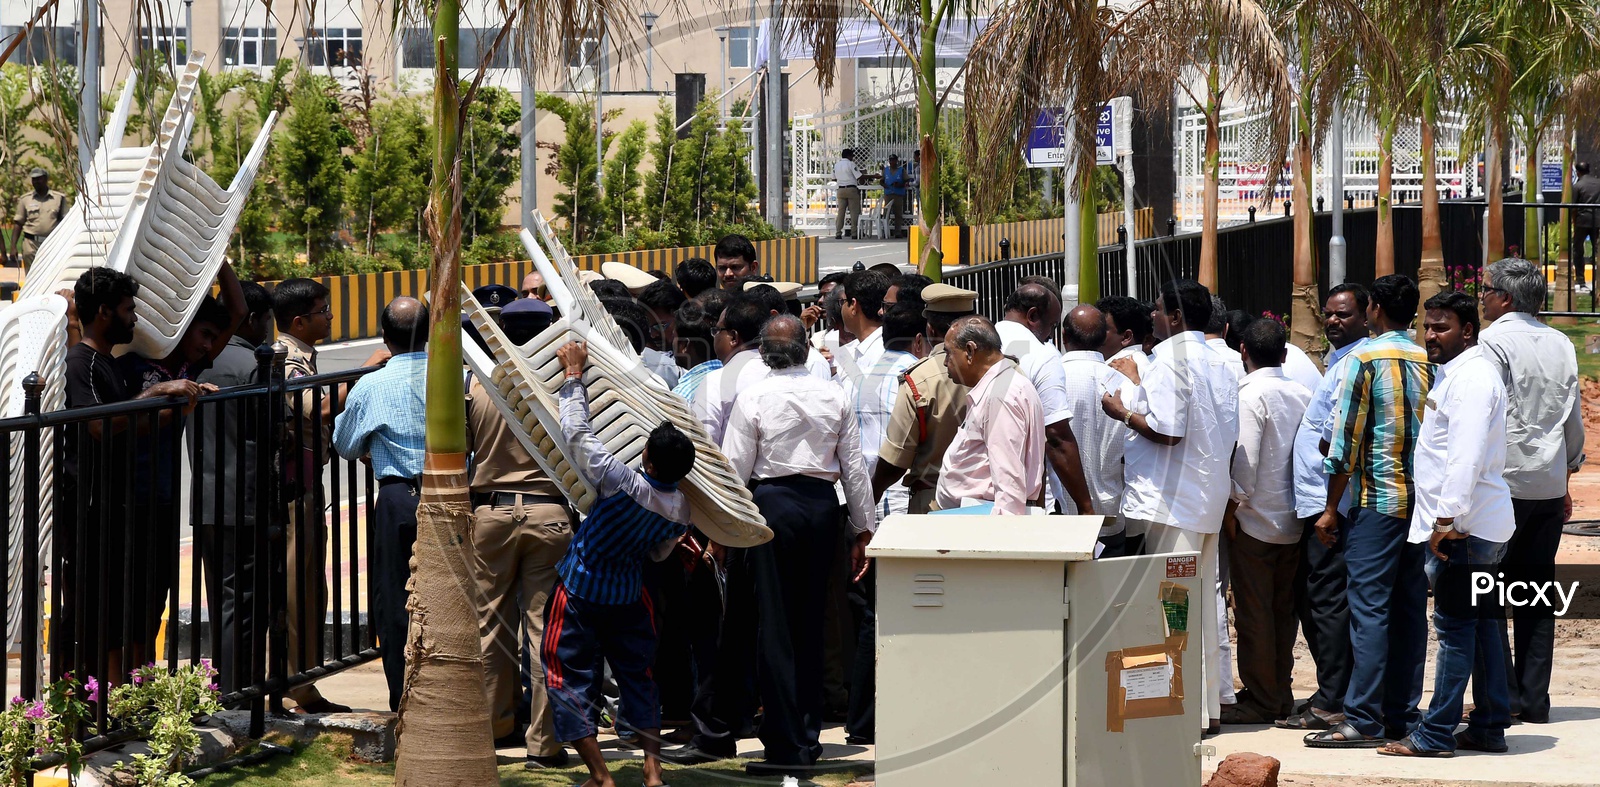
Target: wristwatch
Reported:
point(1438, 528)
point(1127, 418)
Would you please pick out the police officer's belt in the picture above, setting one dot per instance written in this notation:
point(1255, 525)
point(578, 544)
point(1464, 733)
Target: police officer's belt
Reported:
point(497, 499)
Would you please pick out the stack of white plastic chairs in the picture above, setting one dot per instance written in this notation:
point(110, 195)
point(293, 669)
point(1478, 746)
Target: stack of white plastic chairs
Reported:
point(625, 400)
point(145, 211)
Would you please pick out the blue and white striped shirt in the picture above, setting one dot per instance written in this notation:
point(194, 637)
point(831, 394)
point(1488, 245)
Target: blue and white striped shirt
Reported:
point(636, 515)
point(689, 384)
point(384, 416)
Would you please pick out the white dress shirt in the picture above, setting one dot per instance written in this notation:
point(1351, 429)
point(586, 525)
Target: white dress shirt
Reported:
point(791, 423)
point(1101, 439)
point(859, 356)
point(1141, 359)
point(713, 402)
point(873, 398)
point(1310, 478)
point(846, 173)
point(1234, 359)
point(1042, 364)
point(1191, 394)
point(1544, 417)
point(662, 365)
point(1270, 408)
point(1461, 452)
point(1299, 367)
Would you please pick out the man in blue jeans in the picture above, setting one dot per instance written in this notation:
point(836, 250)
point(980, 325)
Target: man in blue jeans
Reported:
point(1463, 511)
point(1378, 413)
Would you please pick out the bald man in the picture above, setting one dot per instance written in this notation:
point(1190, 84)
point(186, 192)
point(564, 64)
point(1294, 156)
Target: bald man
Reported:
point(1100, 439)
point(383, 420)
point(533, 286)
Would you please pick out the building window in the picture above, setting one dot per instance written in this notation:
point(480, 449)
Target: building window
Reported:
point(583, 53)
point(417, 48)
point(740, 44)
point(250, 46)
point(42, 45)
point(171, 42)
point(339, 46)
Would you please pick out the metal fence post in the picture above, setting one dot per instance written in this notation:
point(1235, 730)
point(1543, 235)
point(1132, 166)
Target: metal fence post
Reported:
point(1005, 248)
point(1252, 214)
point(33, 390)
point(268, 576)
point(1172, 226)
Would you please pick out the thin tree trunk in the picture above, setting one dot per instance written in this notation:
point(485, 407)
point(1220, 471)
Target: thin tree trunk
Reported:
point(1494, 214)
point(1430, 272)
point(1531, 248)
point(929, 191)
point(1088, 240)
point(1305, 317)
point(1383, 254)
point(445, 735)
point(1563, 293)
point(1207, 273)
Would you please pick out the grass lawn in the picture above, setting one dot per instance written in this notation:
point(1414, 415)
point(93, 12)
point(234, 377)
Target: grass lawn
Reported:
point(326, 763)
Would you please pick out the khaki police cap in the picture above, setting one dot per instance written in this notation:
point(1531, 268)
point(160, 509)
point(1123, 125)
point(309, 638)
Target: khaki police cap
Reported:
point(787, 289)
point(632, 278)
point(945, 299)
point(586, 276)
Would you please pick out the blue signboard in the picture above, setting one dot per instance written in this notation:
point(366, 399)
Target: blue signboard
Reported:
point(1550, 177)
point(1044, 140)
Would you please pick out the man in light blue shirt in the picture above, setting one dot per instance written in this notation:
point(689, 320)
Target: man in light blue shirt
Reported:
point(1320, 601)
point(383, 420)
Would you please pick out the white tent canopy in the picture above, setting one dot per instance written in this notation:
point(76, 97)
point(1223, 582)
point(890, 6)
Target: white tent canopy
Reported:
point(864, 38)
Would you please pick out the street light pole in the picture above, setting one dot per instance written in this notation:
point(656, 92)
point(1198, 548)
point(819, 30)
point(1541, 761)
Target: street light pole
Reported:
point(722, 87)
point(600, 113)
point(649, 18)
point(89, 85)
point(530, 145)
point(188, 30)
point(775, 119)
point(1337, 250)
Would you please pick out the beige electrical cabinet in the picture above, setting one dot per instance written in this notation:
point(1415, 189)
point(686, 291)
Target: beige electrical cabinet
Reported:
point(1008, 655)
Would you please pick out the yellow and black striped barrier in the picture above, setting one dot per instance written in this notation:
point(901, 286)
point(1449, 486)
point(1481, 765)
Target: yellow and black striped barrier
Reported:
point(357, 300)
point(980, 243)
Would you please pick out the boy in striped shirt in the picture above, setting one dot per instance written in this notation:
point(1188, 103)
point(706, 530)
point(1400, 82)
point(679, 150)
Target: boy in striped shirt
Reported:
point(599, 611)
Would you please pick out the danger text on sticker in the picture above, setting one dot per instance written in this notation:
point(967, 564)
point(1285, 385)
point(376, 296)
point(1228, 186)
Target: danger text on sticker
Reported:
point(1182, 566)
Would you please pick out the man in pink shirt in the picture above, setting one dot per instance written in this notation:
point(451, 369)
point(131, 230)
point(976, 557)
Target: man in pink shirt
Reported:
point(1003, 414)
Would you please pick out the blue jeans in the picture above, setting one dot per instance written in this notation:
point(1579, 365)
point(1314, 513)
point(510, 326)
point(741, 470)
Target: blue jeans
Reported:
point(1388, 595)
point(1461, 641)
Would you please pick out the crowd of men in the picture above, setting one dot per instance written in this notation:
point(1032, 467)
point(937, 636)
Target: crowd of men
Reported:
point(1324, 494)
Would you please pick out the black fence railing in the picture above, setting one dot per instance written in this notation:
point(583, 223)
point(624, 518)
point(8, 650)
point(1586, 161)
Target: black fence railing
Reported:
point(232, 532)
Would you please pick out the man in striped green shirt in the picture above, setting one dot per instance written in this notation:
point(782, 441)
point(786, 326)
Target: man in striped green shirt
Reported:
point(1371, 440)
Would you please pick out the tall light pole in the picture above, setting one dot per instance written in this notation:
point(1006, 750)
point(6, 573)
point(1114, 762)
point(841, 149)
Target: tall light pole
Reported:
point(775, 120)
point(649, 18)
point(89, 87)
point(1337, 250)
point(530, 144)
point(600, 111)
point(722, 87)
point(188, 29)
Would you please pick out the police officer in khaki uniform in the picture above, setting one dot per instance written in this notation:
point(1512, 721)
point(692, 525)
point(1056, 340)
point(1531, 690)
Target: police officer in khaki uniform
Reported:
point(522, 526)
point(929, 407)
point(38, 212)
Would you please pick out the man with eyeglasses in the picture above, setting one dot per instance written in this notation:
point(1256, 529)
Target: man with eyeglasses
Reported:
point(533, 286)
point(662, 299)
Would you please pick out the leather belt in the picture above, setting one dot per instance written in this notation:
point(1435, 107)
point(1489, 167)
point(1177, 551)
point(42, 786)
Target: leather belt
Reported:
point(508, 499)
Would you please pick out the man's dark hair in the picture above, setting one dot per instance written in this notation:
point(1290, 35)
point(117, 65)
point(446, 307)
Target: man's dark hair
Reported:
point(1129, 313)
point(256, 298)
point(1189, 296)
point(1464, 306)
point(832, 278)
point(671, 453)
point(1030, 296)
point(768, 296)
point(901, 324)
point(1237, 320)
point(631, 318)
point(1043, 281)
point(867, 288)
point(847, 153)
point(696, 324)
point(1397, 295)
point(1263, 341)
point(735, 246)
point(939, 324)
point(405, 329)
point(911, 286)
point(744, 315)
point(1582, 167)
point(99, 287)
point(1358, 292)
point(1219, 316)
point(295, 298)
point(713, 301)
point(212, 312)
point(695, 275)
point(609, 288)
point(663, 296)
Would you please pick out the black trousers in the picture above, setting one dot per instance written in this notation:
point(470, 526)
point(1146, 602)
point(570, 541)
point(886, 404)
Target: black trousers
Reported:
point(395, 517)
point(688, 610)
point(861, 719)
point(1324, 613)
point(780, 620)
point(227, 553)
point(1530, 647)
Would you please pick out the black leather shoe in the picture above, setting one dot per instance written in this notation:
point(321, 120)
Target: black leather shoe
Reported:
point(557, 760)
point(858, 740)
point(690, 755)
point(513, 740)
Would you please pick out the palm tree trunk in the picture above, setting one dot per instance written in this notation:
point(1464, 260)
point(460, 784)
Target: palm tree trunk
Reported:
point(1304, 316)
point(1088, 241)
point(1531, 248)
point(929, 191)
point(1494, 214)
point(1430, 272)
point(1208, 221)
point(1563, 294)
point(1383, 255)
point(445, 735)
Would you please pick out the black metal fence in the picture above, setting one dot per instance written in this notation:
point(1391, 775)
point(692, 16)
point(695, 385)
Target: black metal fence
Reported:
point(231, 532)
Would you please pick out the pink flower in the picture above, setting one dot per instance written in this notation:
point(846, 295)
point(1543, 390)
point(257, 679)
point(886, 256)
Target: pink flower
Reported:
point(211, 687)
point(18, 702)
point(138, 679)
point(92, 688)
point(37, 711)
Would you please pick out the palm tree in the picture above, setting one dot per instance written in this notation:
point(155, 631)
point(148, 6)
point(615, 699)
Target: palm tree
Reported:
point(444, 734)
point(1382, 84)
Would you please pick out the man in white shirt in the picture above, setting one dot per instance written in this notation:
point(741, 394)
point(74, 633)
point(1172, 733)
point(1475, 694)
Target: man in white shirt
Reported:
point(1185, 419)
point(792, 437)
point(1463, 511)
point(1101, 440)
point(873, 396)
point(1299, 367)
point(1127, 332)
point(1032, 312)
point(1544, 438)
point(1263, 529)
point(861, 309)
point(736, 340)
point(848, 179)
point(1217, 335)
